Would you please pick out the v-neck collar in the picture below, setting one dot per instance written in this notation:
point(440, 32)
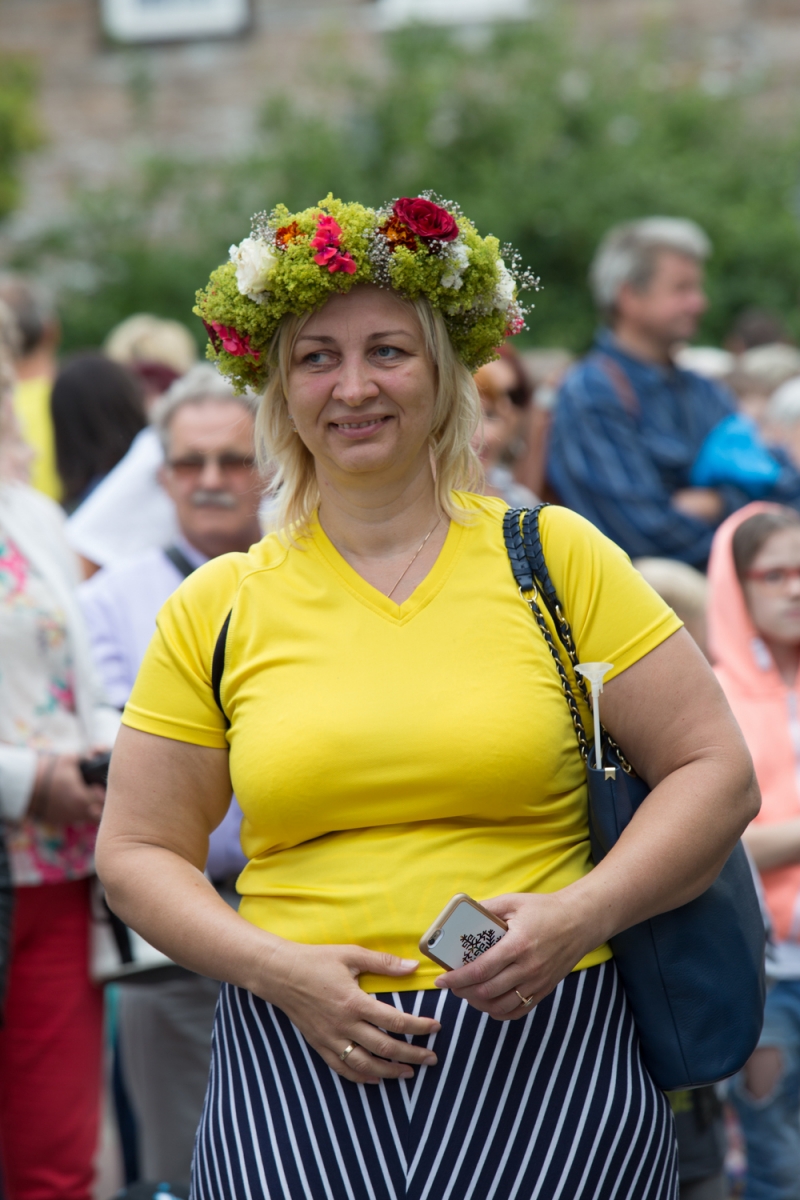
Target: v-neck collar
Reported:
point(368, 595)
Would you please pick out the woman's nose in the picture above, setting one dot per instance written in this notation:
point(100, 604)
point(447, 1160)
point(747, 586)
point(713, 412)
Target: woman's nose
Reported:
point(354, 384)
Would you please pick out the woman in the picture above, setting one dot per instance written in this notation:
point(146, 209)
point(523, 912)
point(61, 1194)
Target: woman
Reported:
point(397, 734)
point(51, 715)
point(98, 409)
point(505, 394)
point(754, 629)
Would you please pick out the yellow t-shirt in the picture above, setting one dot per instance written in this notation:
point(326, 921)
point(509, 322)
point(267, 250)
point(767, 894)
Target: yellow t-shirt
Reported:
point(32, 406)
point(388, 756)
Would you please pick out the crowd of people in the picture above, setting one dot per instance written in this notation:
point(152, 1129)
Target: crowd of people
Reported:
point(371, 678)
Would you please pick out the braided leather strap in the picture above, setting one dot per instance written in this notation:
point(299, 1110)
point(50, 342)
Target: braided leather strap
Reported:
point(524, 544)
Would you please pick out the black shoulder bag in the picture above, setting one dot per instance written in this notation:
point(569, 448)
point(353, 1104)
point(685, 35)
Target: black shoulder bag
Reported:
point(694, 976)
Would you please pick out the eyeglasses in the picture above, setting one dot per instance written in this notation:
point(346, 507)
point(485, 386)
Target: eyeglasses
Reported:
point(774, 577)
point(193, 465)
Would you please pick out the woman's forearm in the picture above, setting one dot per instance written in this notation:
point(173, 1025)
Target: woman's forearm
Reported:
point(774, 845)
point(175, 908)
point(671, 852)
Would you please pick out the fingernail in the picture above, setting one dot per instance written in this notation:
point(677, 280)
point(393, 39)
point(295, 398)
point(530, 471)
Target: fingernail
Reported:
point(439, 982)
point(429, 1060)
point(409, 962)
point(407, 1075)
point(436, 1027)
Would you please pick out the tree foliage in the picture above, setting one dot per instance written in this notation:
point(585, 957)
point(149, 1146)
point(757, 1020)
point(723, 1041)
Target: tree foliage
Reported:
point(541, 144)
point(19, 130)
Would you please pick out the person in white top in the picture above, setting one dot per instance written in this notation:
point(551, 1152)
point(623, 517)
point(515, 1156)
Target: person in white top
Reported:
point(52, 715)
point(210, 475)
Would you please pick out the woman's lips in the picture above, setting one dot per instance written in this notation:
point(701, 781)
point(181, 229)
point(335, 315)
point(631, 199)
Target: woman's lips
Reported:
point(357, 430)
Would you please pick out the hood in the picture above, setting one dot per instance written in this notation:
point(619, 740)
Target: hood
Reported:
point(733, 642)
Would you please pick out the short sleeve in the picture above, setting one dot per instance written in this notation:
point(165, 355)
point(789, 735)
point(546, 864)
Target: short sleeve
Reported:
point(615, 615)
point(173, 696)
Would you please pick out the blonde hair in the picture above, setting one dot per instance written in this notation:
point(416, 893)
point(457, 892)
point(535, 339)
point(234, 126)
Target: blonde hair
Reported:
point(145, 338)
point(456, 413)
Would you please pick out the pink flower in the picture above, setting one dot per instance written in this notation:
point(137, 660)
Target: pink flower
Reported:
point(225, 337)
point(327, 242)
point(516, 324)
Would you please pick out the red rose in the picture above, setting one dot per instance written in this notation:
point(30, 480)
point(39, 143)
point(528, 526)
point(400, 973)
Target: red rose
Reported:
point(426, 219)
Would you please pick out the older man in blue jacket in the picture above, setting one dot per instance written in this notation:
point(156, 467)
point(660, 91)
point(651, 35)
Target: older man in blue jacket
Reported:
point(629, 424)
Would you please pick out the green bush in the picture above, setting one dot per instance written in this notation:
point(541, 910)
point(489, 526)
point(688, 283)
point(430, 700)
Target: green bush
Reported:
point(540, 144)
point(19, 131)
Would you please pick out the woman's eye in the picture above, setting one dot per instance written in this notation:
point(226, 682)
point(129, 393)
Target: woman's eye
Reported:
point(316, 358)
point(386, 352)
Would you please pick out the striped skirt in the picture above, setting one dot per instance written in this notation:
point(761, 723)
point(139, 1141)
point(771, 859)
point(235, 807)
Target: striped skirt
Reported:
point(554, 1105)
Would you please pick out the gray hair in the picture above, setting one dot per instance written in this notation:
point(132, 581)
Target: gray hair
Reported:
point(784, 403)
point(199, 385)
point(627, 255)
point(33, 308)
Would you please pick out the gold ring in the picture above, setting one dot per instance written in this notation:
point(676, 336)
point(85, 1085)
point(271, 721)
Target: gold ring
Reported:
point(349, 1048)
point(523, 1001)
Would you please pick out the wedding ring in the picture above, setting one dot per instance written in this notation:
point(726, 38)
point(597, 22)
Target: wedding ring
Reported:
point(522, 999)
point(349, 1048)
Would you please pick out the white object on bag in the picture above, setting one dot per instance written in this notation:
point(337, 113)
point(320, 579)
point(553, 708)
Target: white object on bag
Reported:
point(595, 673)
point(116, 951)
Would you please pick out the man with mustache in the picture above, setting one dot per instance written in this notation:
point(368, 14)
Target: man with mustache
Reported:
point(211, 476)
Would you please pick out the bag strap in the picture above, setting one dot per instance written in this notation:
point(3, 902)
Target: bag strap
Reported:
point(218, 666)
point(619, 380)
point(179, 561)
point(521, 532)
point(528, 564)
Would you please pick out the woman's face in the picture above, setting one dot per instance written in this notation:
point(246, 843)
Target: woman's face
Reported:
point(772, 588)
point(501, 418)
point(361, 387)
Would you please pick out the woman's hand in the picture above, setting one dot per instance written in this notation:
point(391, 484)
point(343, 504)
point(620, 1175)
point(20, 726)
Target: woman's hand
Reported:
point(60, 795)
point(545, 939)
point(317, 988)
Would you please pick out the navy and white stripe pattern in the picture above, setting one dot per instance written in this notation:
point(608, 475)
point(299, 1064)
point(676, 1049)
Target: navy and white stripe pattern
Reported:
point(555, 1106)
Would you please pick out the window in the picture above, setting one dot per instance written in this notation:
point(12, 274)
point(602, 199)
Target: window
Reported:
point(390, 13)
point(173, 20)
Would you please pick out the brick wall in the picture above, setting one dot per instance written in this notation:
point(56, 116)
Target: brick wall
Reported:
point(102, 106)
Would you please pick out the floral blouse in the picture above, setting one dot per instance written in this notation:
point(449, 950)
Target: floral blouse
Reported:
point(37, 711)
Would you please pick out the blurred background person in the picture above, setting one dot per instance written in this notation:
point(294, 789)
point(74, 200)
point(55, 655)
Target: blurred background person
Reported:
point(782, 417)
point(685, 590)
point(158, 351)
point(506, 392)
point(52, 714)
point(757, 327)
point(210, 474)
point(130, 512)
point(38, 336)
point(757, 374)
point(629, 424)
point(754, 634)
point(98, 409)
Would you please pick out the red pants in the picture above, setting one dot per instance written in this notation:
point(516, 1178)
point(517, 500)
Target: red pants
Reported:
point(50, 1048)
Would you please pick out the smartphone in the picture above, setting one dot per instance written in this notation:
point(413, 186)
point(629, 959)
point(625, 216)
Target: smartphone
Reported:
point(461, 932)
point(95, 770)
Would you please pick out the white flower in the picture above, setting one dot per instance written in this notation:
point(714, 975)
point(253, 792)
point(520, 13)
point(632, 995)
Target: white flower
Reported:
point(457, 261)
point(255, 259)
point(504, 288)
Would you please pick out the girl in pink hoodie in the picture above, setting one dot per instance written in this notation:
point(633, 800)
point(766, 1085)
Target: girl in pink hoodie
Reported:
point(754, 642)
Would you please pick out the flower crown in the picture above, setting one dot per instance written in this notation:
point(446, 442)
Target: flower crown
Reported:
point(293, 262)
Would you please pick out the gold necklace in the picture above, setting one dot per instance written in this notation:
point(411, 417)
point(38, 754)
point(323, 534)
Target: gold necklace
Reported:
point(410, 564)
